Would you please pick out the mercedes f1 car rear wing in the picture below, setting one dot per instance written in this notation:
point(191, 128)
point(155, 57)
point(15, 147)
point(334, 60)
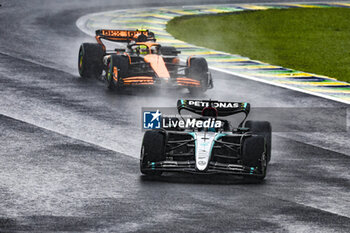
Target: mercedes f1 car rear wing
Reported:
point(221, 108)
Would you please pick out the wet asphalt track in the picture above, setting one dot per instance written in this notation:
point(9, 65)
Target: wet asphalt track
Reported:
point(69, 148)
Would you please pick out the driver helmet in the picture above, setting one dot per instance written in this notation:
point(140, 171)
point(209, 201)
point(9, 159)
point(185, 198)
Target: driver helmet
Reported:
point(143, 49)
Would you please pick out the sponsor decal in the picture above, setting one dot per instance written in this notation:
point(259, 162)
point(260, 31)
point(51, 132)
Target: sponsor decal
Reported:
point(202, 163)
point(198, 103)
point(123, 33)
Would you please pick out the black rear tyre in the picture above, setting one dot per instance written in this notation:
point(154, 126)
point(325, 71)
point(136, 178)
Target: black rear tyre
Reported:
point(262, 128)
point(152, 150)
point(117, 69)
point(168, 51)
point(198, 69)
point(90, 60)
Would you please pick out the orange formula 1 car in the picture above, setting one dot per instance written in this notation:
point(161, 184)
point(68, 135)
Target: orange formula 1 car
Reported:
point(142, 62)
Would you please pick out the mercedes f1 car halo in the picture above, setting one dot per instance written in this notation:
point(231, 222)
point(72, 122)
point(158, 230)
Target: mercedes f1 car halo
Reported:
point(142, 62)
point(242, 150)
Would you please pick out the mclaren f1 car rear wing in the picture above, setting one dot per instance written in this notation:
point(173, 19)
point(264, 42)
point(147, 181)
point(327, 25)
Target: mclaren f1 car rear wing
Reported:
point(222, 108)
point(124, 35)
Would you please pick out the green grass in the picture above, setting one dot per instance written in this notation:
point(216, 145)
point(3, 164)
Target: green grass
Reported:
point(311, 40)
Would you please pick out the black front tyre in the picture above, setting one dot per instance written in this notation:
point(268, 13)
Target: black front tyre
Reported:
point(152, 150)
point(254, 155)
point(262, 128)
point(90, 60)
point(117, 69)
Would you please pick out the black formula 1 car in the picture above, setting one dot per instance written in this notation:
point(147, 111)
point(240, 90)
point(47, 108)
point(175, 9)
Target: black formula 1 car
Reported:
point(212, 147)
point(142, 62)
